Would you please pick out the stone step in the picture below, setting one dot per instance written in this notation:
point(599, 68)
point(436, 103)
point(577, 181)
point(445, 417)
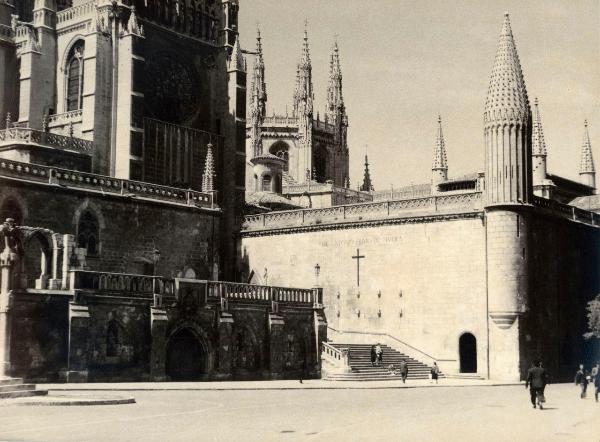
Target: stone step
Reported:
point(10, 381)
point(22, 393)
point(17, 387)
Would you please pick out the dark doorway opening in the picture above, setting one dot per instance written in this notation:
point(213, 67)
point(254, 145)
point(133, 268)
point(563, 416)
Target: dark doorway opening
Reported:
point(467, 348)
point(185, 357)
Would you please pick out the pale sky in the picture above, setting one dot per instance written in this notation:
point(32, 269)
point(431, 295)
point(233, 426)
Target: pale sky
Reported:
point(405, 61)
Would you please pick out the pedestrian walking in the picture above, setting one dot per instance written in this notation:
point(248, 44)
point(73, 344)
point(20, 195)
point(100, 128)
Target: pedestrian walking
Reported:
point(403, 370)
point(373, 355)
point(596, 379)
point(379, 353)
point(435, 372)
point(581, 380)
point(536, 381)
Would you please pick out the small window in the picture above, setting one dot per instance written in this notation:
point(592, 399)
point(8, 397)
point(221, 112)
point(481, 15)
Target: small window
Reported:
point(88, 233)
point(266, 183)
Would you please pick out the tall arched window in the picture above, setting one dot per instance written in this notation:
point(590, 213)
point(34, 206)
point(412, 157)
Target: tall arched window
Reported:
point(74, 74)
point(88, 233)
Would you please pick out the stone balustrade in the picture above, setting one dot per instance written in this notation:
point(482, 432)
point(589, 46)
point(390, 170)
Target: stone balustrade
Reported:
point(76, 12)
point(104, 184)
point(325, 188)
point(132, 284)
point(57, 120)
point(277, 120)
point(459, 203)
point(567, 211)
point(17, 135)
point(338, 357)
point(121, 283)
point(253, 292)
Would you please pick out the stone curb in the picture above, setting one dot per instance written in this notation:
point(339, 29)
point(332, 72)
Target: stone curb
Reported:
point(70, 403)
point(308, 387)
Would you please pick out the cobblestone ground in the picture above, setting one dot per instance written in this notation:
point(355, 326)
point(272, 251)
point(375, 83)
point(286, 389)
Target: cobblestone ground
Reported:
point(420, 414)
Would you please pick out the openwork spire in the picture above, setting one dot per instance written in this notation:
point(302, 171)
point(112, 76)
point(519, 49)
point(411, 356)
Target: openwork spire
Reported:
point(335, 98)
point(538, 141)
point(258, 104)
point(440, 160)
point(507, 95)
point(208, 177)
point(303, 94)
point(367, 185)
point(587, 160)
point(237, 62)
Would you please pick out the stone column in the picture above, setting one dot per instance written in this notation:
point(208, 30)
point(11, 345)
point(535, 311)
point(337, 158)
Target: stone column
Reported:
point(42, 282)
point(276, 345)
point(320, 333)
point(6, 276)
point(55, 282)
point(225, 344)
point(79, 337)
point(68, 244)
point(158, 330)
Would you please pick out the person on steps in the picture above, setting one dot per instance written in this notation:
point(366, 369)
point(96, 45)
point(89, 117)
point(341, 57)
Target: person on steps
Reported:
point(373, 356)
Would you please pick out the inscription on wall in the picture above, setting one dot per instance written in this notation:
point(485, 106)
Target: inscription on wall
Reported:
point(360, 241)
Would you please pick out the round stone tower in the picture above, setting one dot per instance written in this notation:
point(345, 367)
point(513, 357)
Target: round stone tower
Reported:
point(508, 190)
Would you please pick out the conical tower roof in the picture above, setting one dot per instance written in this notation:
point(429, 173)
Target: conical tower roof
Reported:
point(237, 62)
point(367, 185)
point(538, 143)
point(208, 177)
point(587, 160)
point(440, 160)
point(507, 95)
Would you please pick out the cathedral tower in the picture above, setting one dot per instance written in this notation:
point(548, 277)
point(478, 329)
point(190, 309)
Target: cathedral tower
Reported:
point(507, 129)
point(587, 170)
point(507, 120)
point(539, 151)
point(439, 169)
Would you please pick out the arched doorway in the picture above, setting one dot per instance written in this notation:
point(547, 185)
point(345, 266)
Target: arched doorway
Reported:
point(186, 358)
point(467, 348)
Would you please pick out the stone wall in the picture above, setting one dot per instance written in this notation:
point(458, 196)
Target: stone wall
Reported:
point(108, 336)
point(422, 283)
point(129, 228)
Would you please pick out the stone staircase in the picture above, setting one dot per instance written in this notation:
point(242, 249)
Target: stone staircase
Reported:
point(14, 388)
point(360, 363)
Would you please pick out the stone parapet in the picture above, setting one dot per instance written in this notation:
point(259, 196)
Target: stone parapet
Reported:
point(105, 184)
point(365, 212)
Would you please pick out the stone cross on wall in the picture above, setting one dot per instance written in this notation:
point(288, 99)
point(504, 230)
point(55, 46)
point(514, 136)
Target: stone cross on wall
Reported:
point(358, 257)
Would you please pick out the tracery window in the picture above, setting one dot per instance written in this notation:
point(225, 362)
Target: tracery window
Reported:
point(74, 72)
point(88, 233)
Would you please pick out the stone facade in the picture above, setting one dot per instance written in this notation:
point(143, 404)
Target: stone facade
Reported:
point(122, 164)
point(482, 274)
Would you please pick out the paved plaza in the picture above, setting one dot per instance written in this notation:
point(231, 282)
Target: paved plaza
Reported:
point(440, 413)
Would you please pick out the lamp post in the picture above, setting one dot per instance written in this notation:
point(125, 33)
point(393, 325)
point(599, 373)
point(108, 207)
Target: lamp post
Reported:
point(317, 272)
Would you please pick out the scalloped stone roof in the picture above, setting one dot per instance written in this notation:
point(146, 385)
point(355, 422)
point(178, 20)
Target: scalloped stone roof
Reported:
point(538, 141)
point(507, 96)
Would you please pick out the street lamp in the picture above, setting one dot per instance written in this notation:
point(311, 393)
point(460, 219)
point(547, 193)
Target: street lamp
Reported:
point(317, 271)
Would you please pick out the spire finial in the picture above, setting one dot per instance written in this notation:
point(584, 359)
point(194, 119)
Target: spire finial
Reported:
point(537, 136)
point(440, 159)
